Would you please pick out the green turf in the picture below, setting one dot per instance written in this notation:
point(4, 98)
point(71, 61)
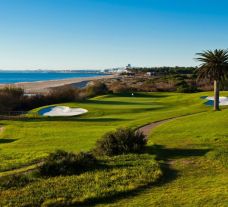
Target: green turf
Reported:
point(192, 151)
point(24, 142)
point(196, 151)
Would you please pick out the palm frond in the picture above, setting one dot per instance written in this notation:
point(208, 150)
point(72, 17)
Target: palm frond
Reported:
point(214, 64)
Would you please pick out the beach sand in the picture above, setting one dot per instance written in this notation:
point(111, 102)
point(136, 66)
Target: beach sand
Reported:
point(44, 86)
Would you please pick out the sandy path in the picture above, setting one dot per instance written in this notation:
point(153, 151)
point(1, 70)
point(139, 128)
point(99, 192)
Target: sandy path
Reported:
point(146, 130)
point(44, 86)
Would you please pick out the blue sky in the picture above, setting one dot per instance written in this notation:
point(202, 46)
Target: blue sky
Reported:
point(96, 34)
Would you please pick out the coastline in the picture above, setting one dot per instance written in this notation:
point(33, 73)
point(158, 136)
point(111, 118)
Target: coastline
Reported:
point(44, 86)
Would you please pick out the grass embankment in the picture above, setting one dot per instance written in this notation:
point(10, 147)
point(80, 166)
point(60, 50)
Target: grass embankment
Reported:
point(24, 142)
point(195, 150)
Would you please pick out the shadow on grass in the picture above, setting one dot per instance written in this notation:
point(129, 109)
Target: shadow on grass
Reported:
point(140, 95)
point(165, 154)
point(119, 103)
point(74, 119)
point(114, 102)
point(6, 141)
point(127, 95)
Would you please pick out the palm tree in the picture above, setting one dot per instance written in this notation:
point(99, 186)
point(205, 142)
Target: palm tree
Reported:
point(215, 68)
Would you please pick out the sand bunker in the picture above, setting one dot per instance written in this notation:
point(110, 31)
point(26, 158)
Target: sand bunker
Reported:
point(223, 101)
point(62, 111)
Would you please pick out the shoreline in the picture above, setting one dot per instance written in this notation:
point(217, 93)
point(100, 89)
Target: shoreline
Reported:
point(44, 86)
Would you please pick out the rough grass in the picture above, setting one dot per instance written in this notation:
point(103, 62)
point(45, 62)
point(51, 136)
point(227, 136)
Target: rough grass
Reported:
point(120, 175)
point(25, 142)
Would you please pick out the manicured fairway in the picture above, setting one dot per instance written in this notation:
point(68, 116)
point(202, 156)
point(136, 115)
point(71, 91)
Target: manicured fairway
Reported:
point(22, 142)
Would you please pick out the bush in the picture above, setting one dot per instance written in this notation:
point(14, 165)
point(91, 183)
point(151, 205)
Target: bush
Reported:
point(184, 87)
point(10, 99)
point(187, 89)
point(96, 88)
point(14, 99)
point(122, 141)
point(118, 87)
point(14, 181)
point(64, 163)
point(62, 94)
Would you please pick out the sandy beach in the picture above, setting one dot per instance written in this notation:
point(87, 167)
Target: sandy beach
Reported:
point(44, 86)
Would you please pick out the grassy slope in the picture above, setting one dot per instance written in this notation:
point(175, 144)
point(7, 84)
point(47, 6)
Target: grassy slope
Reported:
point(196, 150)
point(24, 141)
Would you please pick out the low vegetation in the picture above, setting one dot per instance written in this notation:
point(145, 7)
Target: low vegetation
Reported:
point(10, 99)
point(14, 181)
point(184, 87)
point(65, 163)
point(119, 175)
point(15, 100)
point(162, 71)
point(121, 141)
point(95, 89)
point(161, 79)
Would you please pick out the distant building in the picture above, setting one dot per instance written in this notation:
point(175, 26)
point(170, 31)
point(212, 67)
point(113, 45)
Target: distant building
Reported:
point(119, 70)
point(150, 74)
point(115, 70)
point(128, 66)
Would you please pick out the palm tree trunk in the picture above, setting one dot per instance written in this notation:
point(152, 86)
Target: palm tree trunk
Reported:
point(216, 95)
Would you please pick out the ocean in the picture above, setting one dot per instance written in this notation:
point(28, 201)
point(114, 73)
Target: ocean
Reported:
point(8, 77)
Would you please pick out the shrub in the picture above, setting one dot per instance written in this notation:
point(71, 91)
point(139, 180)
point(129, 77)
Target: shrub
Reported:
point(64, 163)
point(147, 87)
point(122, 141)
point(118, 87)
point(187, 89)
point(184, 87)
point(10, 99)
point(62, 94)
point(55, 96)
point(13, 99)
point(96, 88)
point(14, 181)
